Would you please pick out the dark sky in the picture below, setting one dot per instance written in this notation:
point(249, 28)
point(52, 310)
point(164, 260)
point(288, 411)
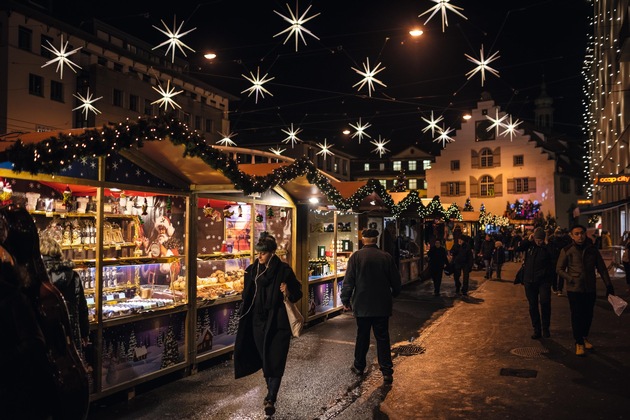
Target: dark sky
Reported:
point(313, 88)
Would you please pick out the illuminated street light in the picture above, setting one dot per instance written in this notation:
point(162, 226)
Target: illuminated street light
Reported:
point(415, 32)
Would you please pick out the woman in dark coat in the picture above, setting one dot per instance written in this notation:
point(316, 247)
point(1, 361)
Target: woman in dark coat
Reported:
point(63, 276)
point(264, 333)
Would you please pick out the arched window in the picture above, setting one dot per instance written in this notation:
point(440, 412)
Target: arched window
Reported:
point(485, 158)
point(486, 186)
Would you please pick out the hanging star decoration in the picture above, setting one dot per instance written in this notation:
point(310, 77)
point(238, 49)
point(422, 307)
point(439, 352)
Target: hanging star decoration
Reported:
point(167, 96)
point(443, 6)
point(432, 124)
point(87, 102)
point(368, 76)
point(61, 57)
point(173, 39)
point(510, 127)
point(444, 136)
point(257, 84)
point(482, 65)
point(496, 121)
point(226, 139)
point(292, 136)
point(277, 151)
point(325, 149)
point(380, 146)
point(360, 130)
point(296, 29)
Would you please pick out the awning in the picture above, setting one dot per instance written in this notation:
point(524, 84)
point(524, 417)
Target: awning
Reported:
point(603, 207)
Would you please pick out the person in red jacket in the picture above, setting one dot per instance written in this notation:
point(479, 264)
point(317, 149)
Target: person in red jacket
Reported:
point(371, 281)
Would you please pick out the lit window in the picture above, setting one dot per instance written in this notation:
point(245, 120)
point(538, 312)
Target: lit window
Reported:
point(486, 186)
point(383, 183)
point(397, 165)
point(413, 184)
point(366, 167)
point(381, 166)
point(426, 164)
point(486, 158)
point(412, 165)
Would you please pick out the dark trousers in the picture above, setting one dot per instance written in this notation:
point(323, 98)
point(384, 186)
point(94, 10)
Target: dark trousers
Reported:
point(488, 266)
point(436, 275)
point(626, 268)
point(539, 294)
point(499, 266)
point(380, 326)
point(457, 273)
point(581, 305)
point(273, 385)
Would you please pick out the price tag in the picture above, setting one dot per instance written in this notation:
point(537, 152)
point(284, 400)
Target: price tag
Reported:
point(109, 297)
point(90, 301)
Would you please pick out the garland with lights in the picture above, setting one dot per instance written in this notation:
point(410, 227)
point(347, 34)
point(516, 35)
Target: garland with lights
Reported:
point(51, 155)
point(488, 218)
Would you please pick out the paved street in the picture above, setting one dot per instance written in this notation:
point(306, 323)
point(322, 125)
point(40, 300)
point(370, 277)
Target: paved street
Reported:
point(470, 358)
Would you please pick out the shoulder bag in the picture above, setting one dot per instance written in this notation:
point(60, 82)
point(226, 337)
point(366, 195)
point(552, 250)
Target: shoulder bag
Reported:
point(296, 320)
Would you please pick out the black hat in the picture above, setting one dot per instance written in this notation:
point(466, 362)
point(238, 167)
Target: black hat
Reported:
point(539, 233)
point(266, 243)
point(369, 233)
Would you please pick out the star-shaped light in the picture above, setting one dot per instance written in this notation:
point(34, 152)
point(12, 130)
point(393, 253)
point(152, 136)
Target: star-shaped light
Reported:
point(368, 76)
point(325, 149)
point(380, 146)
point(443, 6)
point(87, 103)
point(226, 139)
point(496, 121)
point(277, 151)
point(444, 136)
point(173, 38)
point(482, 65)
point(510, 127)
point(167, 96)
point(432, 124)
point(296, 29)
point(292, 136)
point(61, 57)
point(360, 130)
point(257, 84)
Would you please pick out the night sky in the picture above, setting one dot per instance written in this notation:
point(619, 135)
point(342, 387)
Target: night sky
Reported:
point(313, 88)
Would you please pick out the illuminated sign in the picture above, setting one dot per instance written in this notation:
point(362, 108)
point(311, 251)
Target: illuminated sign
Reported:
point(585, 201)
point(611, 179)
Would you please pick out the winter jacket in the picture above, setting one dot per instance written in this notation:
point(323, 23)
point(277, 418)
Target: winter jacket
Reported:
point(63, 276)
point(538, 264)
point(498, 255)
point(577, 265)
point(277, 331)
point(437, 258)
point(371, 281)
point(462, 256)
point(487, 247)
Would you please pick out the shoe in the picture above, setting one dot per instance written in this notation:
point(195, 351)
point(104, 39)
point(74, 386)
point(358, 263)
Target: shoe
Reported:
point(579, 350)
point(388, 379)
point(587, 344)
point(486, 277)
point(546, 334)
point(356, 371)
point(536, 335)
point(270, 408)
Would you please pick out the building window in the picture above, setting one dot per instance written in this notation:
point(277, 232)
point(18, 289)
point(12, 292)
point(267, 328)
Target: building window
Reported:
point(485, 158)
point(336, 166)
point(344, 167)
point(45, 40)
point(25, 39)
point(102, 61)
point(579, 190)
point(413, 184)
point(454, 165)
point(397, 165)
point(366, 167)
point(521, 185)
point(35, 85)
point(518, 160)
point(148, 107)
point(197, 122)
point(412, 165)
point(565, 186)
point(117, 99)
point(381, 166)
point(133, 102)
point(453, 188)
point(56, 91)
point(383, 182)
point(486, 186)
point(186, 118)
point(426, 164)
point(209, 125)
point(118, 67)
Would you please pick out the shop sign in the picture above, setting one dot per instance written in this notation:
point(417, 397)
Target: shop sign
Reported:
point(611, 179)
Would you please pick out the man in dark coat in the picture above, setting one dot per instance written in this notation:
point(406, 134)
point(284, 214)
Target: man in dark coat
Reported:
point(371, 281)
point(437, 261)
point(486, 251)
point(462, 260)
point(264, 332)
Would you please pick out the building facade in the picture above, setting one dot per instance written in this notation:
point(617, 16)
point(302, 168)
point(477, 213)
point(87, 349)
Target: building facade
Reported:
point(608, 121)
point(527, 174)
point(121, 70)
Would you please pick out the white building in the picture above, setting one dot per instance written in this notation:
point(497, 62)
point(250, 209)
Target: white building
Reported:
point(497, 171)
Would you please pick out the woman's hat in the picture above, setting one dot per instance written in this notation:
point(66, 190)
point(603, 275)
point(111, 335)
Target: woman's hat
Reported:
point(266, 243)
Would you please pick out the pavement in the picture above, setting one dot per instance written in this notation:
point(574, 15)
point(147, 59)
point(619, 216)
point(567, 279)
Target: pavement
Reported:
point(456, 357)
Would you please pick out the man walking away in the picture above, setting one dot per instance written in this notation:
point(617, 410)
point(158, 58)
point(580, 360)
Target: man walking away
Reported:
point(371, 281)
point(577, 264)
point(437, 261)
point(487, 248)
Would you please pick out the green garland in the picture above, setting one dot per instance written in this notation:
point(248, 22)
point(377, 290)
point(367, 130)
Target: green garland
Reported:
point(55, 153)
